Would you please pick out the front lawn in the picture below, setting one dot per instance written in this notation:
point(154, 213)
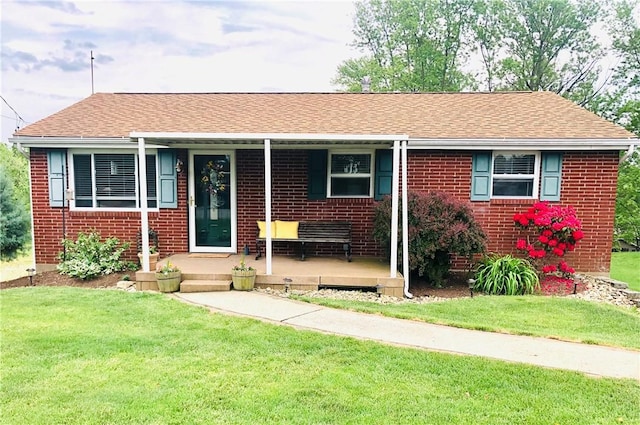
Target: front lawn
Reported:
point(625, 267)
point(552, 317)
point(78, 356)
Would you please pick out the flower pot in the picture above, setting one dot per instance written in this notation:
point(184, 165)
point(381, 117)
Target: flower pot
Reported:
point(243, 280)
point(153, 260)
point(169, 282)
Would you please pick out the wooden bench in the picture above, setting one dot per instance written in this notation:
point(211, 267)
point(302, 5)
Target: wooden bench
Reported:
point(317, 232)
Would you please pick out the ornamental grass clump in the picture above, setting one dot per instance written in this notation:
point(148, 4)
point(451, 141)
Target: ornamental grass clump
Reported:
point(439, 227)
point(505, 275)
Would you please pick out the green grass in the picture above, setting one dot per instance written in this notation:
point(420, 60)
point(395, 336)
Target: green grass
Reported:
point(17, 267)
point(625, 267)
point(78, 356)
point(561, 318)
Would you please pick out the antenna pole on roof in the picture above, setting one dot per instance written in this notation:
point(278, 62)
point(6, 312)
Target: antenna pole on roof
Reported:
point(92, 58)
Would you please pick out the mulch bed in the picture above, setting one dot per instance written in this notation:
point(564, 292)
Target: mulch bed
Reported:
point(53, 278)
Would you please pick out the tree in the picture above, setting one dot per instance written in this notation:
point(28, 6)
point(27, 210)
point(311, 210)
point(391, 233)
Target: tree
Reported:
point(539, 45)
point(627, 219)
point(410, 45)
point(16, 168)
point(14, 220)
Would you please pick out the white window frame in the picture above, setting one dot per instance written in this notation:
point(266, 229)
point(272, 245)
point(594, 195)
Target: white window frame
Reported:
point(535, 176)
point(71, 172)
point(370, 175)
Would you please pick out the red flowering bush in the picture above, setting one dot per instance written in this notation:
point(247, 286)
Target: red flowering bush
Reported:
point(558, 232)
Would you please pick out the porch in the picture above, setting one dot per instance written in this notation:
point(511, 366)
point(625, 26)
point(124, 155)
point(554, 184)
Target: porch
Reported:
point(212, 272)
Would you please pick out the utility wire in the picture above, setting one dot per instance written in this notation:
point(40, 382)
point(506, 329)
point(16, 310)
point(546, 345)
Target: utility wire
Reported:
point(18, 117)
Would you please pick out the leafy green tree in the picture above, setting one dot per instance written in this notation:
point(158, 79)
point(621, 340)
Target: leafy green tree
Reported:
point(14, 220)
point(540, 45)
point(627, 219)
point(16, 169)
point(409, 45)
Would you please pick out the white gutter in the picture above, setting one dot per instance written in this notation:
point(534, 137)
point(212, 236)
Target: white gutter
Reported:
point(267, 203)
point(80, 142)
point(270, 136)
point(405, 222)
point(144, 211)
point(393, 266)
point(539, 144)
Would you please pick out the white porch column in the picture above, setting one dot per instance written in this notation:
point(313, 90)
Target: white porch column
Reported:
point(144, 212)
point(267, 201)
point(393, 268)
point(405, 222)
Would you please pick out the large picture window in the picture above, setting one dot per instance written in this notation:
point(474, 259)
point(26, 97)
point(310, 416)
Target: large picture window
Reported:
point(111, 180)
point(515, 175)
point(350, 174)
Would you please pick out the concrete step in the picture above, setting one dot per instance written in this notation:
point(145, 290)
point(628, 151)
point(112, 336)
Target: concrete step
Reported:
point(205, 285)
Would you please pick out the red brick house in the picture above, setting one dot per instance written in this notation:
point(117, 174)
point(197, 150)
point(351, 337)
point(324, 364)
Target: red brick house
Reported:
point(313, 156)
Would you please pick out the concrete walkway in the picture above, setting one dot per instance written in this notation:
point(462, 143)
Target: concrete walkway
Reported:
point(589, 359)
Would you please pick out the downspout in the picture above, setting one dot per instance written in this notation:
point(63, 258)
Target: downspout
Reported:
point(144, 211)
point(405, 223)
point(267, 202)
point(393, 272)
point(628, 154)
point(33, 233)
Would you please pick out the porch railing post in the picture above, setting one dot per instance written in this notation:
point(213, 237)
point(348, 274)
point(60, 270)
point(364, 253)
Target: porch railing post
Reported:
point(267, 201)
point(144, 212)
point(393, 268)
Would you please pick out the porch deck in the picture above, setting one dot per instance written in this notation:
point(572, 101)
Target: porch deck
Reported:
point(212, 272)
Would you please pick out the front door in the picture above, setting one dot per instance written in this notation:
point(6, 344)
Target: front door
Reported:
point(212, 210)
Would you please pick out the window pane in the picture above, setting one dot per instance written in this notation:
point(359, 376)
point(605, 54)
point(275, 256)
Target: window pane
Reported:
point(82, 180)
point(350, 186)
point(115, 176)
point(514, 164)
point(512, 187)
point(350, 164)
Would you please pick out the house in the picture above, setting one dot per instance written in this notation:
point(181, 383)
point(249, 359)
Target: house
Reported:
point(215, 163)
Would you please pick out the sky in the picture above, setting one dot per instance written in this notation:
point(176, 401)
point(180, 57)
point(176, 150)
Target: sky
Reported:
point(164, 46)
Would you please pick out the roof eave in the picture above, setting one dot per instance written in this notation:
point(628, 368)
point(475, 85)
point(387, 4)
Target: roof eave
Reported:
point(533, 144)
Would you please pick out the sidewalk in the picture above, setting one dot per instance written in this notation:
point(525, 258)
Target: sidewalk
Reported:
point(589, 359)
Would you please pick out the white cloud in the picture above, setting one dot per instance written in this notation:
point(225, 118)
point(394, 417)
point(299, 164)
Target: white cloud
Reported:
point(166, 46)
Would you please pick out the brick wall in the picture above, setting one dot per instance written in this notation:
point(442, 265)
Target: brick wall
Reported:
point(171, 224)
point(588, 184)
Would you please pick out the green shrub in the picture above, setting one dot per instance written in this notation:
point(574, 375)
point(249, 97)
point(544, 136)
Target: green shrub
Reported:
point(439, 226)
point(89, 257)
point(505, 275)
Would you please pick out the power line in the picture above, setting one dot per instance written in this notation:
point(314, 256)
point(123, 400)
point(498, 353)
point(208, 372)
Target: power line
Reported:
point(18, 118)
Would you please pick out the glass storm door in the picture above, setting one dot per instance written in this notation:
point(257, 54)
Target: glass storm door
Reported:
point(212, 203)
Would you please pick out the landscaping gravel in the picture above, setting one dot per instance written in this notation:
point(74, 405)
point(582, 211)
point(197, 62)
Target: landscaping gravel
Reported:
point(597, 289)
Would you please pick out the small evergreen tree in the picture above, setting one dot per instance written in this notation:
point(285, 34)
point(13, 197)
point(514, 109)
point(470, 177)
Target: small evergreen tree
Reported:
point(14, 219)
point(439, 226)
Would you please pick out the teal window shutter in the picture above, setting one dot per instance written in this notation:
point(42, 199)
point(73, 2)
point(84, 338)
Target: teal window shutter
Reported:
point(57, 164)
point(481, 176)
point(317, 174)
point(168, 179)
point(551, 176)
point(384, 173)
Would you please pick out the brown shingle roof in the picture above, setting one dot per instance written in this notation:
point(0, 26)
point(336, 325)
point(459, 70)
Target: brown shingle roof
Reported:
point(419, 115)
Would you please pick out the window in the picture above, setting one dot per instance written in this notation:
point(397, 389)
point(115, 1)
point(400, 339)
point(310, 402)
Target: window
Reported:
point(111, 180)
point(350, 174)
point(514, 175)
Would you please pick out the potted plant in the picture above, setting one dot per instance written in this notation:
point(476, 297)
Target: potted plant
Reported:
point(153, 257)
point(168, 278)
point(243, 276)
